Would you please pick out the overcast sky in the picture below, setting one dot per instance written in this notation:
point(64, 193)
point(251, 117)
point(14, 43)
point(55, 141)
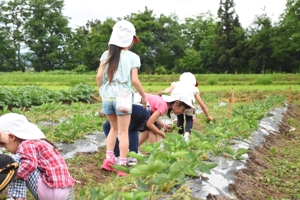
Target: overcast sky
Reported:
point(83, 10)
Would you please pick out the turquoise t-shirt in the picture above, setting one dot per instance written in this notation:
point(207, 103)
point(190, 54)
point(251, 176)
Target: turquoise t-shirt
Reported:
point(122, 77)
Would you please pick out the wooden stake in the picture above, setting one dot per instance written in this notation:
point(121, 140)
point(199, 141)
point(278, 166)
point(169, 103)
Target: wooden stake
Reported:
point(230, 107)
point(232, 95)
point(289, 96)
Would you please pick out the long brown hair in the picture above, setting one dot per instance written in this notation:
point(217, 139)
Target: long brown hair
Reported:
point(112, 61)
point(179, 104)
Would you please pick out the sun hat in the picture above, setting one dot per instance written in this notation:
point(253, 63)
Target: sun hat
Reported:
point(183, 99)
point(8, 170)
point(19, 126)
point(123, 33)
point(188, 77)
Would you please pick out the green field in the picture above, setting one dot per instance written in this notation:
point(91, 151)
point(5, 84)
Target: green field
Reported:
point(254, 97)
point(220, 84)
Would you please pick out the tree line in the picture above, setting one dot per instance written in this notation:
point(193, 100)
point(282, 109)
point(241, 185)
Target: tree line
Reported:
point(35, 34)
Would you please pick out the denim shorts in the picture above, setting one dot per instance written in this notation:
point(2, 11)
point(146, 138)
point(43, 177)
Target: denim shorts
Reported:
point(109, 107)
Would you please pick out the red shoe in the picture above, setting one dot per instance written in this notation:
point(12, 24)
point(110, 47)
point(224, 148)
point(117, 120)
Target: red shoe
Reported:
point(107, 164)
point(120, 174)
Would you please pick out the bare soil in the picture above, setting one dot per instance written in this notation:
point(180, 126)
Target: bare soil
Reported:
point(248, 184)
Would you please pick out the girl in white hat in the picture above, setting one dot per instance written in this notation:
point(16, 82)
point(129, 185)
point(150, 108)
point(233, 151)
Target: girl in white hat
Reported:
point(42, 169)
point(118, 70)
point(159, 106)
point(187, 86)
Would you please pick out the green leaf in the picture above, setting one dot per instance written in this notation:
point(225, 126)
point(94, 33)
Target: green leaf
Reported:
point(206, 167)
point(229, 150)
point(122, 168)
point(148, 169)
point(178, 168)
point(197, 133)
point(211, 165)
point(159, 179)
point(179, 154)
point(241, 151)
point(139, 195)
point(135, 155)
point(141, 185)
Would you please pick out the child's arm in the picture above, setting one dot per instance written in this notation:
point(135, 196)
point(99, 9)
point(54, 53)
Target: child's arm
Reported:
point(138, 86)
point(167, 90)
point(99, 75)
point(166, 127)
point(150, 124)
point(203, 106)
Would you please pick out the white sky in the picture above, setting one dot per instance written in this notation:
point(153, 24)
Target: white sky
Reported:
point(83, 10)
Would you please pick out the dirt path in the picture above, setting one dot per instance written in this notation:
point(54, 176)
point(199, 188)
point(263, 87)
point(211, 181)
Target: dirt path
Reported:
point(250, 183)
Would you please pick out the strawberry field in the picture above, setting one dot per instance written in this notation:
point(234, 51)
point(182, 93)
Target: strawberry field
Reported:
point(68, 115)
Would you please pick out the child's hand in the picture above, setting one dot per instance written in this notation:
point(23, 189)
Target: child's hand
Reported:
point(144, 102)
point(210, 118)
point(101, 114)
point(160, 93)
point(163, 135)
point(168, 128)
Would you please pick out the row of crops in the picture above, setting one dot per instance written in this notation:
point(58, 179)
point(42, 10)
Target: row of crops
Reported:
point(162, 171)
point(28, 96)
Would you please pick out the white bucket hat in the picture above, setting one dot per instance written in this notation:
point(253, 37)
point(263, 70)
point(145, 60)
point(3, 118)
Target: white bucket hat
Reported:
point(19, 126)
point(123, 33)
point(172, 98)
point(188, 77)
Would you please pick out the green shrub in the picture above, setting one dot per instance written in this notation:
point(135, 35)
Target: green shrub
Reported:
point(160, 70)
point(212, 81)
point(80, 69)
point(264, 80)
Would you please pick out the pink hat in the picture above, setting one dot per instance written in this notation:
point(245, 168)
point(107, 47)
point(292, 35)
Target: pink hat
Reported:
point(123, 33)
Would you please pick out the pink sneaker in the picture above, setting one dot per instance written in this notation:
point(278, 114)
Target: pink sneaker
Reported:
point(120, 174)
point(107, 164)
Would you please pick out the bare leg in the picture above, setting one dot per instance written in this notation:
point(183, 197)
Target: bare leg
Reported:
point(112, 136)
point(152, 137)
point(143, 137)
point(123, 124)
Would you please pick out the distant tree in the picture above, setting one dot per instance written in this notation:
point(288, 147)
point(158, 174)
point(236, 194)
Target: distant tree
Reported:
point(97, 42)
point(47, 31)
point(170, 41)
point(199, 33)
point(161, 42)
point(191, 62)
point(88, 42)
point(229, 40)
point(286, 40)
point(12, 18)
point(260, 45)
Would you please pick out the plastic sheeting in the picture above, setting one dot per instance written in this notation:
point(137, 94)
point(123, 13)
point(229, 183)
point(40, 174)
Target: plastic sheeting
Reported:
point(221, 176)
point(90, 144)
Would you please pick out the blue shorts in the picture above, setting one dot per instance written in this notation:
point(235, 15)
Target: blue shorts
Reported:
point(109, 107)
